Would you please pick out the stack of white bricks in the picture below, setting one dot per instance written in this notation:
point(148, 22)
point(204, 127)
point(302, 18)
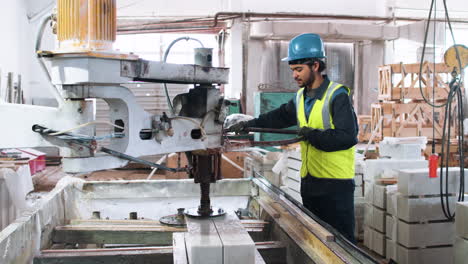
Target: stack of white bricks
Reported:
point(359, 202)
point(375, 198)
point(417, 230)
point(461, 239)
point(292, 181)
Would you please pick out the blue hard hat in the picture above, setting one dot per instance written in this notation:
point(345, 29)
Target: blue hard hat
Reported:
point(304, 46)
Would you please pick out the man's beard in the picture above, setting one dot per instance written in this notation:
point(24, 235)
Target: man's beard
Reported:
point(310, 81)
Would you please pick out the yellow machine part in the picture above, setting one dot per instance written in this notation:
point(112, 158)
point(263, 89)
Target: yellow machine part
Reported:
point(86, 25)
point(450, 57)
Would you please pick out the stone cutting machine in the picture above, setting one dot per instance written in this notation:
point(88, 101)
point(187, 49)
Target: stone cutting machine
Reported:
point(85, 66)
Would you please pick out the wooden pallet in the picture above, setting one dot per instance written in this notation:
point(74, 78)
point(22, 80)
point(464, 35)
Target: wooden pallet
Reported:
point(409, 120)
point(400, 82)
point(365, 127)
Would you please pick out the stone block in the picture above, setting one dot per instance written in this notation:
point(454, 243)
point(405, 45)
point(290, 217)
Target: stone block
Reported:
point(359, 166)
point(378, 219)
point(391, 203)
point(368, 237)
point(293, 184)
point(379, 194)
point(390, 249)
point(358, 192)
point(461, 250)
point(238, 246)
point(421, 209)
point(401, 151)
point(368, 214)
point(417, 182)
point(461, 220)
point(436, 255)
point(359, 218)
point(203, 242)
point(426, 234)
point(376, 169)
point(378, 243)
point(390, 227)
point(358, 179)
point(369, 192)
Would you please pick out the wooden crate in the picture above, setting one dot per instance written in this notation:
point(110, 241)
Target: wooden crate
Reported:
point(376, 115)
point(409, 120)
point(399, 82)
point(365, 127)
point(454, 160)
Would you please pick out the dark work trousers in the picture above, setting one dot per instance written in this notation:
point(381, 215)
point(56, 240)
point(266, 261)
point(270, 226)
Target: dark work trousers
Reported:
point(335, 206)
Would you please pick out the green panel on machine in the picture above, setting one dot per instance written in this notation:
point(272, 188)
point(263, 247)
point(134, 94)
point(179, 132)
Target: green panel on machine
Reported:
point(267, 101)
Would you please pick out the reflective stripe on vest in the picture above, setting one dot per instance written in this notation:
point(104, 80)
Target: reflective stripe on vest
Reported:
point(318, 163)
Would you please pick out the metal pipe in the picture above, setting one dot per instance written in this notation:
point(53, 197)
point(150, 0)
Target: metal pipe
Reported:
point(275, 143)
point(268, 130)
point(137, 160)
point(321, 16)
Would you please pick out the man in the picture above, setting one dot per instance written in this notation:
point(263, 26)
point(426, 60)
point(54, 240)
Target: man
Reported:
point(324, 113)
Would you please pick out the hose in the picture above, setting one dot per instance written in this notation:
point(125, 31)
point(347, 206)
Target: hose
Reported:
point(55, 91)
point(166, 54)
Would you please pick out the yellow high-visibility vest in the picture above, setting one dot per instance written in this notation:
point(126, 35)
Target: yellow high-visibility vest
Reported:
point(318, 163)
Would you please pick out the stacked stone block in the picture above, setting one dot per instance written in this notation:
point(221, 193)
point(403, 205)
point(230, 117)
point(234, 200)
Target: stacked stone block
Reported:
point(417, 230)
point(375, 198)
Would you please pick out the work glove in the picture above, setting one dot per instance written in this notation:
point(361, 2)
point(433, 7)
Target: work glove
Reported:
point(306, 133)
point(239, 127)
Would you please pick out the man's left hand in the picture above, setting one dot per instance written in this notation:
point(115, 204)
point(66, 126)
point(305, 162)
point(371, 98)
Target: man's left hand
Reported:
point(304, 132)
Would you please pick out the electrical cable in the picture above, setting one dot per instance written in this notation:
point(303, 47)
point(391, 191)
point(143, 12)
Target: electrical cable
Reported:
point(85, 125)
point(166, 54)
point(451, 113)
point(55, 91)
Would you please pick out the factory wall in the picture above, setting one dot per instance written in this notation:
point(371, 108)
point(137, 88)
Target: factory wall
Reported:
point(19, 26)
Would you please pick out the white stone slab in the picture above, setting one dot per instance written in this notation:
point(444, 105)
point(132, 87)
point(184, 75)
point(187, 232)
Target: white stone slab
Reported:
point(294, 164)
point(391, 203)
point(436, 255)
point(179, 251)
point(358, 179)
point(378, 243)
point(238, 246)
point(424, 235)
point(401, 151)
point(380, 194)
point(368, 214)
point(292, 193)
point(461, 250)
point(369, 192)
point(422, 209)
point(294, 154)
point(294, 174)
point(390, 227)
point(203, 242)
point(358, 192)
point(417, 182)
point(293, 184)
point(377, 168)
point(368, 237)
point(359, 167)
point(461, 220)
point(390, 249)
point(378, 219)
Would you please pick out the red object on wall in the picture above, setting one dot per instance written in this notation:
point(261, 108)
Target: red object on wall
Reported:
point(433, 163)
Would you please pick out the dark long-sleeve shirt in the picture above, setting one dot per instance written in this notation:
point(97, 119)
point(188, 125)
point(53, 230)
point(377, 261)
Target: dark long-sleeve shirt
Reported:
point(342, 137)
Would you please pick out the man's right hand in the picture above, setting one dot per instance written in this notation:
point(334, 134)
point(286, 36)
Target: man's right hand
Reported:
point(239, 128)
